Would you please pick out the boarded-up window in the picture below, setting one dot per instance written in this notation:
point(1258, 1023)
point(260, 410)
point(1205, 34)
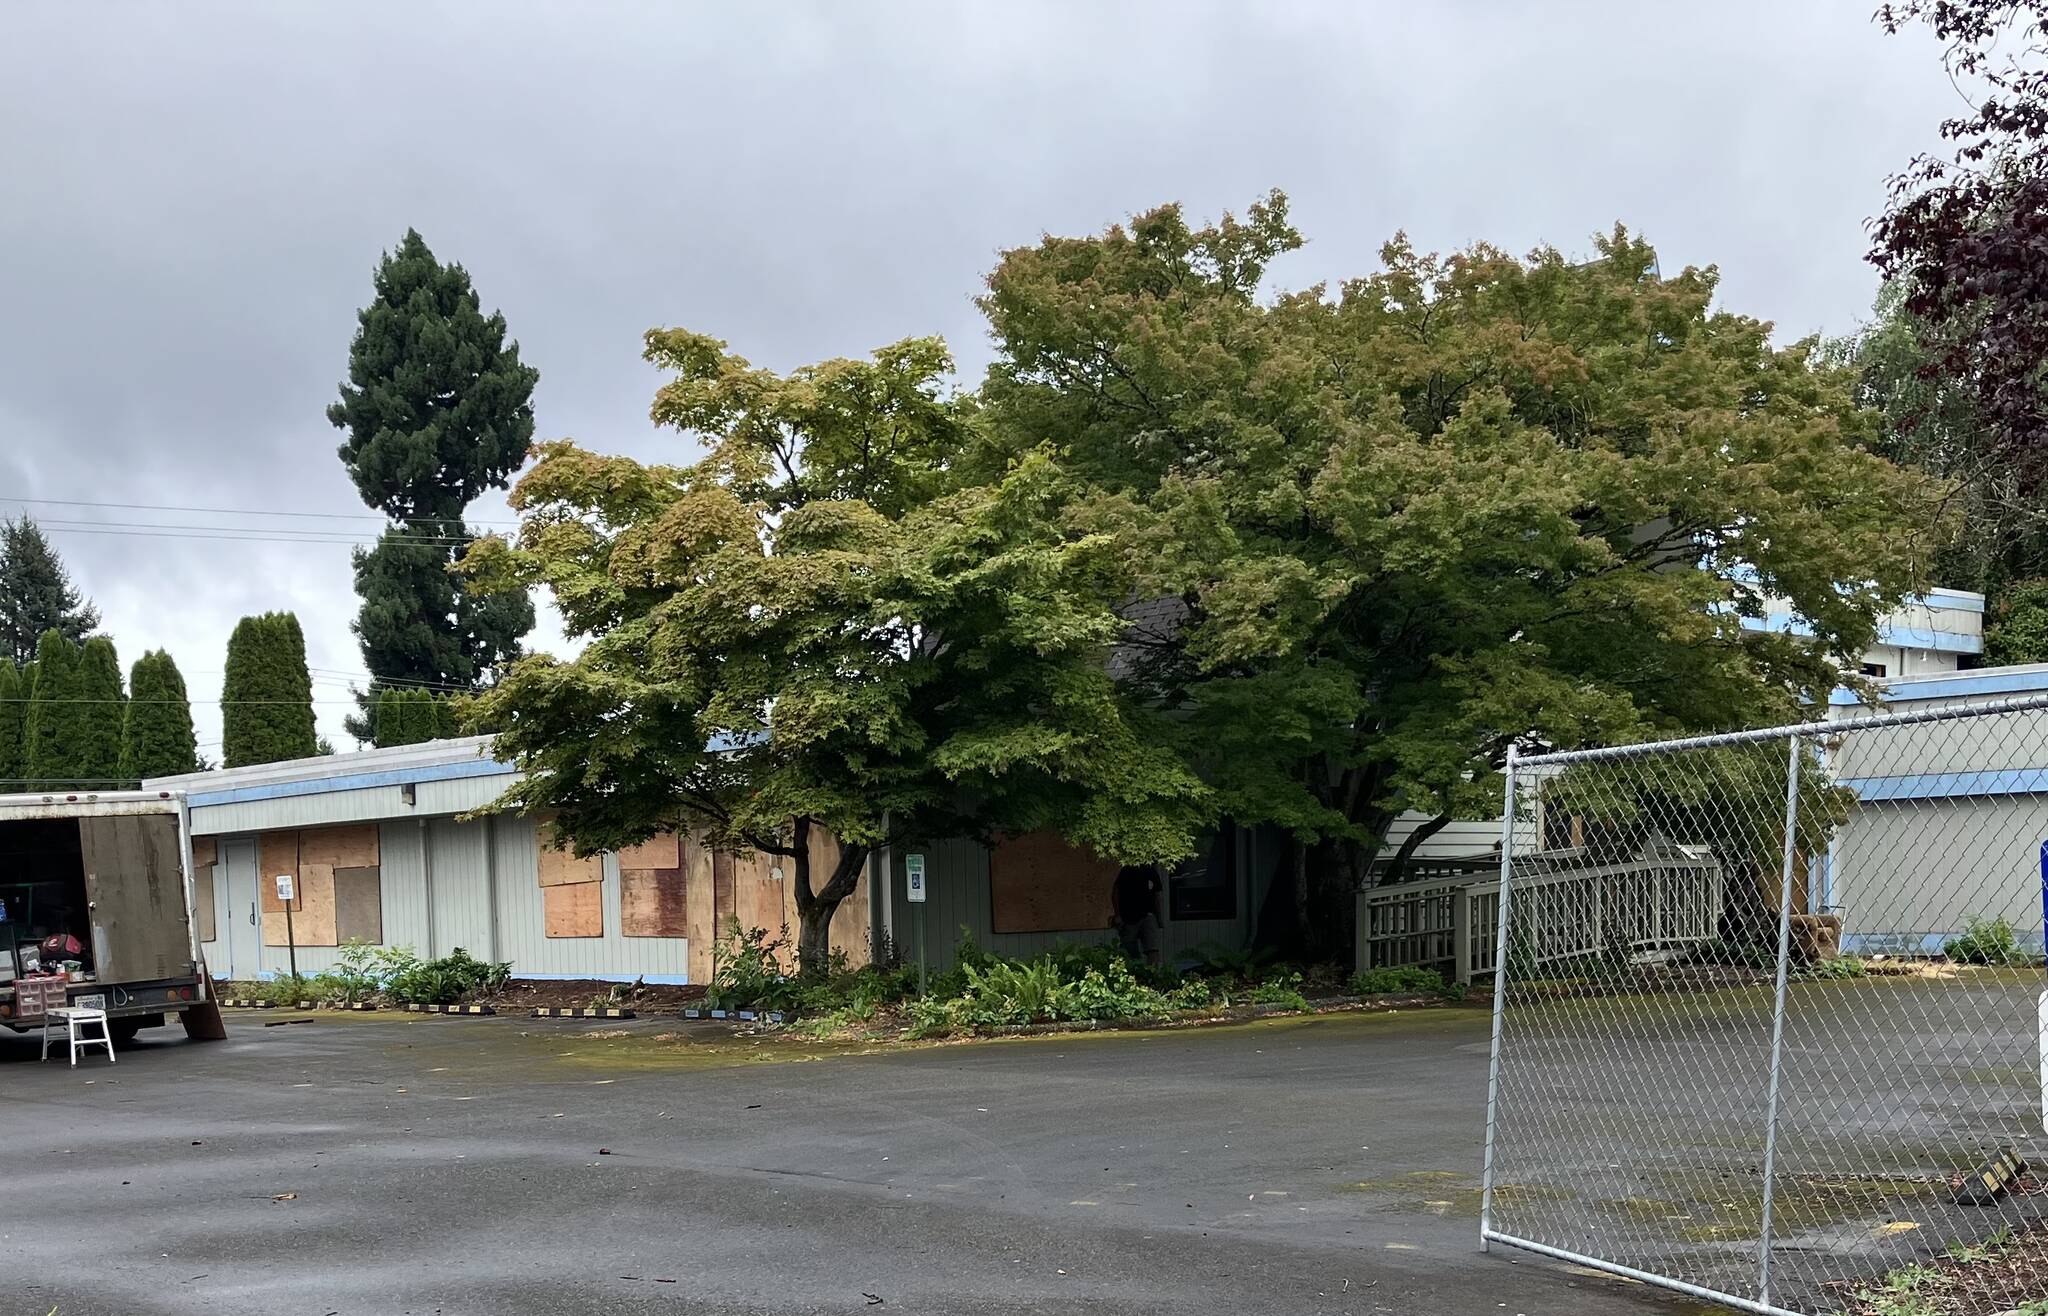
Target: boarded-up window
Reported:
point(277, 854)
point(561, 867)
point(1042, 883)
point(662, 850)
point(573, 910)
point(652, 902)
point(358, 905)
point(202, 893)
point(340, 847)
point(571, 889)
point(311, 857)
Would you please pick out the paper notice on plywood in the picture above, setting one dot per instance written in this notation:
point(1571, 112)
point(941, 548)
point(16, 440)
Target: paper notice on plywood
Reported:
point(277, 854)
point(573, 910)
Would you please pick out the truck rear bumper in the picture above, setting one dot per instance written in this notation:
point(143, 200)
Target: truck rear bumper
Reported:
point(122, 1000)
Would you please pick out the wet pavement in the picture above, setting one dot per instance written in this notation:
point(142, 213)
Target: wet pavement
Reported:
point(388, 1166)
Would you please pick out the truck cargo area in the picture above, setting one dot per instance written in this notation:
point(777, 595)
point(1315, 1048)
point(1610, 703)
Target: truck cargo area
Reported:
point(95, 910)
point(42, 890)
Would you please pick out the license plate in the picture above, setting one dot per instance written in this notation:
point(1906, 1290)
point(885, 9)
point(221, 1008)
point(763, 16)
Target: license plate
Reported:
point(96, 1001)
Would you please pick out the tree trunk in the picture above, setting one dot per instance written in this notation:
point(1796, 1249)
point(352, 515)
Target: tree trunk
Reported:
point(1304, 915)
point(1408, 848)
point(814, 909)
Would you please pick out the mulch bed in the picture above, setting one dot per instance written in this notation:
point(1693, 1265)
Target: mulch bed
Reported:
point(2009, 1277)
point(522, 994)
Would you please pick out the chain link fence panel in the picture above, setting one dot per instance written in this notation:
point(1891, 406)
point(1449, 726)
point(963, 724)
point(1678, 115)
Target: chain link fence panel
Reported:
point(1770, 1009)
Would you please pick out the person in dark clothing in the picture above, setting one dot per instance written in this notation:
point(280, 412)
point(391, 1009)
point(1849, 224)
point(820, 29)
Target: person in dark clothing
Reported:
point(1134, 911)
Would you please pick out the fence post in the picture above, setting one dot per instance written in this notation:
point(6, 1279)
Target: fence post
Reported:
point(1461, 933)
point(1778, 1018)
point(1500, 990)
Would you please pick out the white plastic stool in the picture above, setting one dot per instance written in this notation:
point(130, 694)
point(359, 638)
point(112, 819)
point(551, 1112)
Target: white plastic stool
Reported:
point(74, 1017)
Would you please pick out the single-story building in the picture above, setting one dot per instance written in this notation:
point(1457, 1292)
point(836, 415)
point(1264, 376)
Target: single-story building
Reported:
point(1951, 816)
point(378, 852)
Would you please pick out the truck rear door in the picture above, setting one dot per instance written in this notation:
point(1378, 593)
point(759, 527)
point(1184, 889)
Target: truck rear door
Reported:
point(133, 879)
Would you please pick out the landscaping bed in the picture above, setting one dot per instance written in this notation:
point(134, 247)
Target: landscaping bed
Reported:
point(519, 995)
point(1070, 987)
point(2006, 1276)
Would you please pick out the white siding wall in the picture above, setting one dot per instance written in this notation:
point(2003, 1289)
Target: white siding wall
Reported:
point(1458, 839)
point(1905, 875)
point(534, 954)
point(433, 907)
point(365, 804)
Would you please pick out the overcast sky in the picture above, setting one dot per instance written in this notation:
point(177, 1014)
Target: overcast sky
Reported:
point(192, 197)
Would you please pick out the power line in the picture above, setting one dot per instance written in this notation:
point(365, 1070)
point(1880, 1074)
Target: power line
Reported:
point(248, 511)
point(392, 682)
point(228, 534)
point(68, 524)
point(152, 703)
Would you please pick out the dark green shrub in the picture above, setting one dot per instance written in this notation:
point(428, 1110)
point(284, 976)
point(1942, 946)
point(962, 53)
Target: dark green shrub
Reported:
point(746, 970)
point(1406, 980)
point(1281, 989)
point(446, 980)
point(1985, 941)
point(1215, 960)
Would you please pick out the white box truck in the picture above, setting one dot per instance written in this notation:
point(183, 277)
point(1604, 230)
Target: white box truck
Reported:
point(96, 908)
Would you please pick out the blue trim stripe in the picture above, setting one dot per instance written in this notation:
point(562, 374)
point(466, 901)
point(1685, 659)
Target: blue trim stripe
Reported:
point(1990, 681)
point(1910, 637)
point(1918, 943)
point(351, 782)
point(1956, 600)
point(1947, 785)
point(658, 979)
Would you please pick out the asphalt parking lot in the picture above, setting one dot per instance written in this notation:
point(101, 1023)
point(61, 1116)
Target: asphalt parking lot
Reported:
point(373, 1166)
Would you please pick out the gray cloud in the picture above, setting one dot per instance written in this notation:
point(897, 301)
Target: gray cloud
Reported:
point(194, 195)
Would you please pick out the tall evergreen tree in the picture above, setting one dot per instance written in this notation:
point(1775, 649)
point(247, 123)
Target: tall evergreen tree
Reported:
point(36, 593)
point(101, 713)
point(395, 721)
point(407, 717)
point(13, 713)
point(158, 740)
point(267, 696)
point(55, 724)
point(437, 409)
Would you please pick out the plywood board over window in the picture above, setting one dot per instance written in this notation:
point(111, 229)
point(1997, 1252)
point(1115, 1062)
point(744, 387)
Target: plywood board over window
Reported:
point(653, 902)
point(340, 847)
point(1040, 882)
point(277, 855)
point(573, 910)
point(561, 867)
point(358, 905)
point(202, 890)
point(204, 852)
point(661, 850)
point(313, 912)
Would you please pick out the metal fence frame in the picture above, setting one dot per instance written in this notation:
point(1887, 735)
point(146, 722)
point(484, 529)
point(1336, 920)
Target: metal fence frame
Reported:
point(1793, 736)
